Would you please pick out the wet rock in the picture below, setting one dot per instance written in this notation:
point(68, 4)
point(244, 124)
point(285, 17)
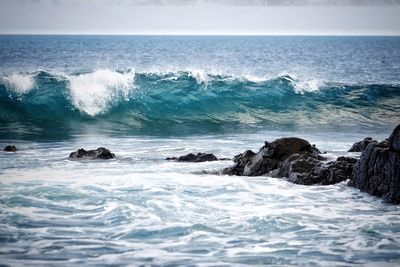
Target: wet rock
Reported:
point(269, 156)
point(378, 170)
point(315, 150)
point(284, 147)
point(337, 171)
point(299, 169)
point(360, 146)
point(240, 161)
point(10, 148)
point(308, 169)
point(100, 153)
point(260, 164)
point(394, 140)
point(199, 157)
point(294, 159)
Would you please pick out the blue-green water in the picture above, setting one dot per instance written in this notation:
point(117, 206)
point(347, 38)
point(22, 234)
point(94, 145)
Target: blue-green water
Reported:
point(150, 97)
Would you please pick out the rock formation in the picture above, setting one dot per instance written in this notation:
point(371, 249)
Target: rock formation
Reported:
point(100, 153)
point(360, 146)
point(378, 170)
point(10, 148)
point(199, 157)
point(293, 158)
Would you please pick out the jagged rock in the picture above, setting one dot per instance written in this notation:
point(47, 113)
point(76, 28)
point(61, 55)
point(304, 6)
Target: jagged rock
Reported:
point(260, 164)
point(308, 169)
point(378, 170)
point(337, 171)
point(240, 161)
point(299, 169)
point(295, 159)
point(10, 148)
point(100, 153)
point(199, 157)
point(315, 150)
point(269, 156)
point(360, 146)
point(394, 140)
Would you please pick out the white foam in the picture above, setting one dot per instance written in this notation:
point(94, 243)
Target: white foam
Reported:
point(256, 79)
point(94, 92)
point(19, 83)
point(201, 76)
point(301, 84)
point(204, 76)
point(307, 86)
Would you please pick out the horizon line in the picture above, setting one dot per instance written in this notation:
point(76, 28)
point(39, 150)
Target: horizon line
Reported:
point(209, 34)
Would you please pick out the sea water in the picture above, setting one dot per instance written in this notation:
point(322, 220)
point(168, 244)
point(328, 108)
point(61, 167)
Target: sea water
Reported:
point(151, 97)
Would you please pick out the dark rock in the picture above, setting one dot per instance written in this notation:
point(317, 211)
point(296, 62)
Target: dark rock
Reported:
point(315, 150)
point(260, 164)
point(394, 140)
point(292, 158)
point(308, 169)
point(10, 148)
point(337, 171)
point(284, 147)
point(299, 169)
point(378, 170)
point(240, 161)
point(100, 153)
point(199, 157)
point(360, 146)
point(269, 156)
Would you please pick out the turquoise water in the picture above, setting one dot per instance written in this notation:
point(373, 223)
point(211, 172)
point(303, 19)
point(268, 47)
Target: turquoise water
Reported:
point(147, 98)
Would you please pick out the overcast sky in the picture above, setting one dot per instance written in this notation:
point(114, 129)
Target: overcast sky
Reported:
point(261, 17)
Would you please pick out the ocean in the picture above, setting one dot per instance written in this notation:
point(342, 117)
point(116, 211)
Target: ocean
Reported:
point(150, 97)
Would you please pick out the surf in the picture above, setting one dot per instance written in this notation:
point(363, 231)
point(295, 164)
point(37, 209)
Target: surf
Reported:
point(187, 102)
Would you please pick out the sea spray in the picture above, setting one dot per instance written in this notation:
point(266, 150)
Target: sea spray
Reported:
point(19, 83)
point(94, 93)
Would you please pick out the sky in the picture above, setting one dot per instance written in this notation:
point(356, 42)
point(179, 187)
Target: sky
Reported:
point(201, 17)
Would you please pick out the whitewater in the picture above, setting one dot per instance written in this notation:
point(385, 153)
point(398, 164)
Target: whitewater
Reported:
point(147, 98)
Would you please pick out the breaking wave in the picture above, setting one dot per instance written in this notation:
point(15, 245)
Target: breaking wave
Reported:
point(187, 102)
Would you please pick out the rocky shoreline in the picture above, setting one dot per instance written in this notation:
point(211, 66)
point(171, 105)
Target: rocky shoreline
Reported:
point(376, 171)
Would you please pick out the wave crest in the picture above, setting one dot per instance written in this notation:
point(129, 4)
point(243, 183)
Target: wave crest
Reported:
point(182, 102)
point(94, 93)
point(19, 82)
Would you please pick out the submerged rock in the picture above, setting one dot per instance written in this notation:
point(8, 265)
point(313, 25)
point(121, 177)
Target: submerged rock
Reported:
point(10, 148)
point(199, 157)
point(293, 158)
point(360, 146)
point(378, 170)
point(100, 153)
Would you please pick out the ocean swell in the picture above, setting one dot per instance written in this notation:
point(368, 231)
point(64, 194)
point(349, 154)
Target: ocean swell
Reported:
point(188, 102)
